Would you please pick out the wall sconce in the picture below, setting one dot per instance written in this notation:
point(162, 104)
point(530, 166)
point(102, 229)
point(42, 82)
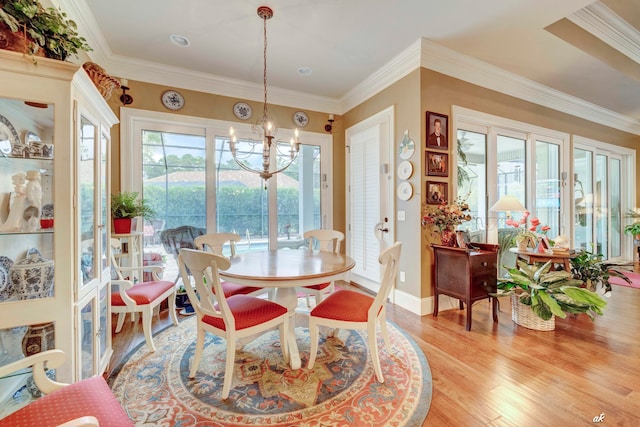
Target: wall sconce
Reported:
point(329, 126)
point(125, 98)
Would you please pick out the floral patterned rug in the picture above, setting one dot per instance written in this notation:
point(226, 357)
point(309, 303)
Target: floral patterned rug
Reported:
point(341, 389)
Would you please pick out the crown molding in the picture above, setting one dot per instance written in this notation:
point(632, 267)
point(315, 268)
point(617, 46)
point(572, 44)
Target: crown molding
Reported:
point(165, 75)
point(422, 53)
point(606, 25)
point(402, 64)
point(161, 74)
point(446, 61)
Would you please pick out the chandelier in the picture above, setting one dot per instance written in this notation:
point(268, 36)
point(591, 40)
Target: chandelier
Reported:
point(265, 128)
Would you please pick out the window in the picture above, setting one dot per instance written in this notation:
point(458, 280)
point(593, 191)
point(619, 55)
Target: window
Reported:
point(532, 164)
point(183, 167)
point(600, 197)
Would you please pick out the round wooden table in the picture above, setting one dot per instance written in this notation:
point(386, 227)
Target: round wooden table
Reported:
point(285, 270)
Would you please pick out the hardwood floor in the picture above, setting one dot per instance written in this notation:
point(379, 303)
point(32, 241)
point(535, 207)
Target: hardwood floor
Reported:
point(501, 374)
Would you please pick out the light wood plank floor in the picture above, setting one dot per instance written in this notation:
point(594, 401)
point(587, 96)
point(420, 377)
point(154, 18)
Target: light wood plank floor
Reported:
point(501, 374)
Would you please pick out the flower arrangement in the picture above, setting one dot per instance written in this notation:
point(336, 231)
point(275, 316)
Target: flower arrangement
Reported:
point(524, 231)
point(445, 216)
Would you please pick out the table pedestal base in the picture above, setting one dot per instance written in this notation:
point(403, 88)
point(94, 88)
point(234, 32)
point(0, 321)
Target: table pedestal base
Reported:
point(288, 298)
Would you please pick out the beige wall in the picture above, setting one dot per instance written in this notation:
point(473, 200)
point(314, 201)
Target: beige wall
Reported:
point(420, 91)
point(147, 96)
point(405, 97)
point(438, 93)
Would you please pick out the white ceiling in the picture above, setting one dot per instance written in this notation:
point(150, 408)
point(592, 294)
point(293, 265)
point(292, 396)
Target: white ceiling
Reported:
point(349, 44)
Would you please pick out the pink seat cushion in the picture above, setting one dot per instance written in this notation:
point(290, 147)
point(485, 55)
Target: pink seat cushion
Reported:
point(143, 293)
point(319, 287)
point(231, 289)
point(247, 311)
point(344, 305)
point(87, 397)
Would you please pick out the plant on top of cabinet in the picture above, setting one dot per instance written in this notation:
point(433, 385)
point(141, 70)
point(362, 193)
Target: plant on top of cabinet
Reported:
point(48, 28)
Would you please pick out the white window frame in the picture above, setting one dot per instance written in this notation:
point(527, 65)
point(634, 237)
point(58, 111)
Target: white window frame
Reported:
point(132, 121)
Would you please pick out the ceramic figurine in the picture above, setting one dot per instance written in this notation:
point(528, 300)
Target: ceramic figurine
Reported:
point(15, 219)
point(34, 190)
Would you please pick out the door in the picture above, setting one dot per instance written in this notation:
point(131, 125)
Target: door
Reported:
point(369, 182)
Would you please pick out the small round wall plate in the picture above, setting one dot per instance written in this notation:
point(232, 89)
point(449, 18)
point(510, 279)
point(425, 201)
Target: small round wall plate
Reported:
point(242, 110)
point(405, 169)
point(405, 191)
point(407, 147)
point(300, 118)
point(172, 100)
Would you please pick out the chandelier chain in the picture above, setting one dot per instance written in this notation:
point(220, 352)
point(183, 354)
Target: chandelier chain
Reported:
point(267, 129)
point(264, 74)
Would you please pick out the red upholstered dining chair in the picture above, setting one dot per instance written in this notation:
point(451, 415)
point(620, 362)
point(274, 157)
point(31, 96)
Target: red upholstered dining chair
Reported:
point(214, 243)
point(327, 241)
point(232, 318)
point(348, 309)
point(143, 297)
point(88, 402)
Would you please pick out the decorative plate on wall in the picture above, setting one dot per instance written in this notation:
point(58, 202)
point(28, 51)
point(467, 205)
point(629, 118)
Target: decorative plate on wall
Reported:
point(172, 100)
point(300, 118)
point(407, 146)
point(405, 170)
point(405, 191)
point(242, 110)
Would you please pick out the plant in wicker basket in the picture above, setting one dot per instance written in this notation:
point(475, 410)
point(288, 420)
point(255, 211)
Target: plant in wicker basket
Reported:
point(549, 293)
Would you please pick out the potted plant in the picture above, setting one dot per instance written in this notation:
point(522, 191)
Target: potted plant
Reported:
point(539, 294)
point(594, 272)
point(633, 230)
point(124, 207)
point(49, 29)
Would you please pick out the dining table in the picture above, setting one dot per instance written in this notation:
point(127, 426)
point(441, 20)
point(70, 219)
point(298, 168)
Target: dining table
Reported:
point(285, 270)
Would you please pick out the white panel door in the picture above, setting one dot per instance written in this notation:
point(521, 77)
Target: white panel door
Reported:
point(369, 183)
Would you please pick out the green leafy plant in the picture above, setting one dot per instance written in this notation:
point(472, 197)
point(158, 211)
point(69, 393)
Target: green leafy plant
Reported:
point(127, 205)
point(593, 271)
point(49, 28)
point(549, 292)
point(632, 229)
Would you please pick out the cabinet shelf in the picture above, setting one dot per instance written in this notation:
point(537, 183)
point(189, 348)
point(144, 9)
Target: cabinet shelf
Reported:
point(29, 233)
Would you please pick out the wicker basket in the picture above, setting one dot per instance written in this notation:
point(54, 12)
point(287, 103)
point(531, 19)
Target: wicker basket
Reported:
point(103, 81)
point(522, 315)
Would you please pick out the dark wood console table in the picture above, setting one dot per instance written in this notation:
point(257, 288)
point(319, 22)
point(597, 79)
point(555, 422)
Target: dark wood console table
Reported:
point(466, 274)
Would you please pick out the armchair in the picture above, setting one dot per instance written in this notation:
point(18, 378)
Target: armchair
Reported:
point(88, 402)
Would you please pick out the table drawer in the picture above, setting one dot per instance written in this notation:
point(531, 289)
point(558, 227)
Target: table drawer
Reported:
point(483, 285)
point(483, 264)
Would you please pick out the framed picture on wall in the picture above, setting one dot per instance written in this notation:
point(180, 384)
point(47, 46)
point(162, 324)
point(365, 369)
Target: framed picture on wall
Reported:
point(437, 163)
point(437, 126)
point(437, 192)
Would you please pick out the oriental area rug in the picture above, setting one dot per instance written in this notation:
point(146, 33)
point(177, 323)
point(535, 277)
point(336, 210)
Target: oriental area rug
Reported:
point(341, 389)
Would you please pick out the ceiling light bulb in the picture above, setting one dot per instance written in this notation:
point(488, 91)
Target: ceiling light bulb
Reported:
point(179, 40)
point(305, 71)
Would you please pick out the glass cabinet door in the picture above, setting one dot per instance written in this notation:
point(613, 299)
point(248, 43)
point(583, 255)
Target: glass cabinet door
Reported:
point(103, 194)
point(87, 202)
point(26, 202)
point(87, 331)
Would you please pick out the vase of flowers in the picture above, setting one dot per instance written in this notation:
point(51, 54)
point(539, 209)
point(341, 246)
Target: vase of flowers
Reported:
point(527, 235)
point(444, 218)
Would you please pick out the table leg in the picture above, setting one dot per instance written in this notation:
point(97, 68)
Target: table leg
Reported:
point(288, 298)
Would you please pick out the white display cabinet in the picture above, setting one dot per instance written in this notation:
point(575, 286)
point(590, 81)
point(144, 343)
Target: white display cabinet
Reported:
point(54, 265)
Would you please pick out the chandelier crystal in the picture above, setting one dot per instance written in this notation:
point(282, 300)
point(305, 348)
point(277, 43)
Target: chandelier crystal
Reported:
point(265, 128)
